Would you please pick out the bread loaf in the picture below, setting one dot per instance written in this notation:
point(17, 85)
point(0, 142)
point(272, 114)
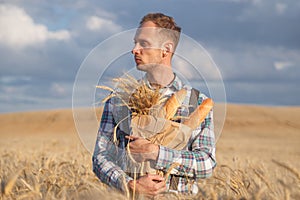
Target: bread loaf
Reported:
point(199, 114)
point(172, 104)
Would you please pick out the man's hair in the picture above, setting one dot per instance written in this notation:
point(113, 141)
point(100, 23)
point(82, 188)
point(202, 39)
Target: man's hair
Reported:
point(165, 22)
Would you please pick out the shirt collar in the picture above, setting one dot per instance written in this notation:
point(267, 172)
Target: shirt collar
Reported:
point(175, 85)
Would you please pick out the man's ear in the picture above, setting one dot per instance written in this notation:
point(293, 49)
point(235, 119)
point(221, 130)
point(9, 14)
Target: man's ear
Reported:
point(168, 46)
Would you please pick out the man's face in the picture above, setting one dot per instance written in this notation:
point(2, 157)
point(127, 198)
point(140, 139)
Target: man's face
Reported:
point(147, 50)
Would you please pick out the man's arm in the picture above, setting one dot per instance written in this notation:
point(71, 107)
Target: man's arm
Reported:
point(105, 157)
point(105, 153)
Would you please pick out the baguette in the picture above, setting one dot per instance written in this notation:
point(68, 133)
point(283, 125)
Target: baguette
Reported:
point(199, 114)
point(172, 104)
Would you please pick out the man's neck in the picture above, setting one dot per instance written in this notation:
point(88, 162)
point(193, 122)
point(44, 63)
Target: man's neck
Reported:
point(162, 76)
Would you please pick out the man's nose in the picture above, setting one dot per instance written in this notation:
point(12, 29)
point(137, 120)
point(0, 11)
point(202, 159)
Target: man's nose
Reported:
point(136, 49)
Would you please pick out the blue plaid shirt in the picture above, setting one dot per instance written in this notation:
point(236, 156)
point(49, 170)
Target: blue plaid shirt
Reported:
point(196, 161)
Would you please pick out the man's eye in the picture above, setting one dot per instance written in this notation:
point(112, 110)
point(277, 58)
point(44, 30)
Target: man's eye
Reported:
point(143, 44)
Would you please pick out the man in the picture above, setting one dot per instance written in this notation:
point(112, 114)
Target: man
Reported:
point(155, 43)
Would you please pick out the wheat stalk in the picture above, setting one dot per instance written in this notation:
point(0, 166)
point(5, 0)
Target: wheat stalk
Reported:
point(173, 165)
point(136, 95)
point(134, 184)
point(125, 187)
point(289, 168)
point(11, 183)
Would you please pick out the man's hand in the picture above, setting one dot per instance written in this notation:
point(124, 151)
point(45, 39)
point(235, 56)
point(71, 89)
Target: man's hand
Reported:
point(142, 150)
point(150, 184)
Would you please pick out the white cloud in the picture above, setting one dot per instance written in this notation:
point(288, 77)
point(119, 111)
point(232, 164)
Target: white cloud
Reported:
point(18, 29)
point(196, 62)
point(268, 9)
point(57, 90)
point(184, 68)
point(257, 2)
point(95, 23)
point(280, 65)
point(14, 79)
point(256, 62)
point(280, 8)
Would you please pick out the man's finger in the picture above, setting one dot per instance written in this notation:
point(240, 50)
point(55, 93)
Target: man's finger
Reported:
point(155, 177)
point(131, 137)
point(162, 187)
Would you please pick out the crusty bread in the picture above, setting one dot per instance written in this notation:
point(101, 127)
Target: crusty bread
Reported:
point(173, 103)
point(199, 114)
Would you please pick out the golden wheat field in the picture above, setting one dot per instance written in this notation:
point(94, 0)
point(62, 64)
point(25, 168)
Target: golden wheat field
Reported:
point(258, 154)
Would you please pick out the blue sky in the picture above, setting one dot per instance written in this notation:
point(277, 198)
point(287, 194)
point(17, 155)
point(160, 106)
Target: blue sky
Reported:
point(254, 43)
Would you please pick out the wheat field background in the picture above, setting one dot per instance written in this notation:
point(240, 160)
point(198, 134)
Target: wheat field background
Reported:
point(258, 154)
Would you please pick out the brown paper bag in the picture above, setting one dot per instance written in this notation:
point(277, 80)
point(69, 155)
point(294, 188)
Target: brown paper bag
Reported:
point(161, 131)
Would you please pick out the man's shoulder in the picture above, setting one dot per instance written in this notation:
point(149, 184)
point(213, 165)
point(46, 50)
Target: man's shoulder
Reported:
point(114, 100)
point(195, 93)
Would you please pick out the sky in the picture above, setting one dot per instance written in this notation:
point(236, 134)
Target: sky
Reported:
point(255, 45)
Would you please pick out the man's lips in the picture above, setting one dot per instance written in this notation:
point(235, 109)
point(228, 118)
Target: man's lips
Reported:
point(138, 60)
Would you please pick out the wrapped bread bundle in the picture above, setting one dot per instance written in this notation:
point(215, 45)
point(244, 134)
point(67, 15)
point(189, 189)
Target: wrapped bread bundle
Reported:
point(162, 131)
